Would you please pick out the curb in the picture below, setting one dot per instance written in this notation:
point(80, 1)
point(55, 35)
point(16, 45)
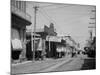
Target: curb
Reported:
point(20, 63)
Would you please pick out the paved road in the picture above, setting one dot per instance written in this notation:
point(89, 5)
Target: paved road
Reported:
point(79, 63)
point(37, 66)
point(71, 65)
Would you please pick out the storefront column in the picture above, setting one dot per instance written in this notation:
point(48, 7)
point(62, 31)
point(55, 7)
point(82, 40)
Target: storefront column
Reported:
point(24, 45)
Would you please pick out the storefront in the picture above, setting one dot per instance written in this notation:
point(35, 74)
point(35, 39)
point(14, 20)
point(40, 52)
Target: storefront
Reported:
point(55, 48)
point(43, 34)
point(29, 52)
point(18, 37)
point(18, 33)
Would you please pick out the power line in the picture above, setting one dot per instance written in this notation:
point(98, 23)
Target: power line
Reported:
point(52, 5)
point(44, 15)
point(47, 15)
point(45, 6)
point(93, 27)
point(49, 18)
point(60, 7)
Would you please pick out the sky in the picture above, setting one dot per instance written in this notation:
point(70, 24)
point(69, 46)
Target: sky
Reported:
point(68, 19)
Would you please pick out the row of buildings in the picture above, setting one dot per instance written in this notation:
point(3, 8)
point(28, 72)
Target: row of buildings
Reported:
point(46, 39)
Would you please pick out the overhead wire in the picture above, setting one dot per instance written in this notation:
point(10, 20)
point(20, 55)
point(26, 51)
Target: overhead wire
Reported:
point(51, 5)
point(41, 8)
point(47, 16)
point(44, 15)
point(50, 18)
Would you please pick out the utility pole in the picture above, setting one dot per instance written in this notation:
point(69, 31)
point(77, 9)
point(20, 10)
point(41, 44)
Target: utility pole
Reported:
point(33, 32)
point(93, 24)
point(91, 32)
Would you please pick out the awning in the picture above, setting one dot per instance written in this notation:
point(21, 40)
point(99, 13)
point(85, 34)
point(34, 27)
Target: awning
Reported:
point(53, 39)
point(29, 34)
point(16, 44)
point(61, 49)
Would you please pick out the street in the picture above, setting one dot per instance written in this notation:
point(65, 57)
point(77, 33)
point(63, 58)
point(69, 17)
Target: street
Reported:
point(37, 66)
point(81, 62)
point(78, 64)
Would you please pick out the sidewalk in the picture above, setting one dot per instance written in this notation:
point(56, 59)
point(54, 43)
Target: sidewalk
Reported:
point(38, 66)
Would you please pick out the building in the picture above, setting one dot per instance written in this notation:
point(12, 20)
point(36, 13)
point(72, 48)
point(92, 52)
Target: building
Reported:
point(19, 20)
point(56, 47)
point(41, 34)
point(71, 44)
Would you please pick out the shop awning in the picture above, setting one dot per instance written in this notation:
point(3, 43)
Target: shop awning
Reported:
point(53, 39)
point(16, 44)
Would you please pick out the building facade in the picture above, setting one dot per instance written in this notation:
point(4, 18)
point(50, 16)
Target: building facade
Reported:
point(41, 34)
point(19, 20)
